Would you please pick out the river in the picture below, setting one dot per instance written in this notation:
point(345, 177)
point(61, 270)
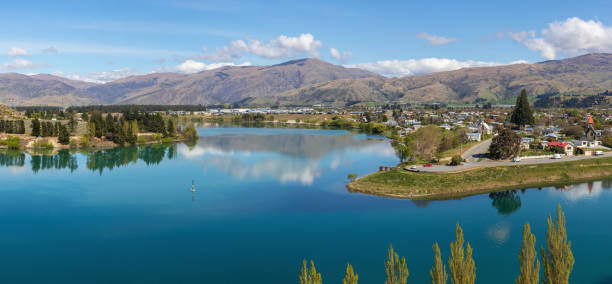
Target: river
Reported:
point(265, 199)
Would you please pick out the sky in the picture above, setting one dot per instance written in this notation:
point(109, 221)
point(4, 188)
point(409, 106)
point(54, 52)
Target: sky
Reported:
point(101, 41)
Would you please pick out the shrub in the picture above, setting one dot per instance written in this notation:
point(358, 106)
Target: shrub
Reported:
point(167, 140)
point(456, 160)
point(84, 142)
point(142, 140)
point(73, 143)
point(190, 133)
point(11, 142)
point(43, 144)
point(156, 137)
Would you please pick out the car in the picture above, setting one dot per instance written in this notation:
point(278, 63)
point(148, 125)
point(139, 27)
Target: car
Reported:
point(516, 159)
point(413, 167)
point(428, 165)
point(556, 156)
point(598, 153)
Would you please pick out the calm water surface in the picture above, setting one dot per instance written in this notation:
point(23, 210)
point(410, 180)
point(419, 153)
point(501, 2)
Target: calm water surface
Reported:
point(266, 198)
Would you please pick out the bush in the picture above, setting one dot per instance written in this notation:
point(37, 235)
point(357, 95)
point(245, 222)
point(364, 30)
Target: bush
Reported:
point(73, 143)
point(84, 142)
point(43, 144)
point(142, 140)
point(156, 137)
point(11, 142)
point(167, 140)
point(190, 133)
point(456, 160)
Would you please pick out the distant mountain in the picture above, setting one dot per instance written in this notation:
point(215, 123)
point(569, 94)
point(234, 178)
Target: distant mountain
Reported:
point(312, 81)
point(217, 86)
point(590, 73)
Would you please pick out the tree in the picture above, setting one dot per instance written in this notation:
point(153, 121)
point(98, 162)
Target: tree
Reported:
point(349, 276)
point(36, 127)
point(309, 276)
point(461, 263)
point(425, 141)
point(171, 128)
point(528, 259)
point(558, 259)
point(505, 145)
point(396, 269)
point(437, 273)
point(63, 135)
point(522, 113)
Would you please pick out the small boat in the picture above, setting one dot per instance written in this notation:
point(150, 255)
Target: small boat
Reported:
point(193, 186)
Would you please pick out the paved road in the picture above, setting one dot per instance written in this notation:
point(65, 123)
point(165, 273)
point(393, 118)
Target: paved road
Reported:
point(477, 151)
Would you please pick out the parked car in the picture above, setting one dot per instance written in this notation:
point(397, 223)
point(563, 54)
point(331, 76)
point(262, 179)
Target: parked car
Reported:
point(556, 156)
point(598, 153)
point(428, 165)
point(516, 159)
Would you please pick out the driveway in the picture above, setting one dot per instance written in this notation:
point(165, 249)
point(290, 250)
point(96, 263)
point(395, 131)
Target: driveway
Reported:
point(477, 151)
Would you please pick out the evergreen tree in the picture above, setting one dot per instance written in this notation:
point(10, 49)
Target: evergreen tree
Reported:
point(528, 259)
point(505, 145)
point(438, 270)
point(558, 259)
point(309, 276)
point(522, 113)
point(36, 127)
point(396, 269)
point(21, 127)
point(63, 135)
point(461, 263)
point(56, 129)
point(349, 276)
point(171, 128)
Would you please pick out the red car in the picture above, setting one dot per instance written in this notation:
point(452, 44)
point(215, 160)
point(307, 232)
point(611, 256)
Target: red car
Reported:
point(427, 165)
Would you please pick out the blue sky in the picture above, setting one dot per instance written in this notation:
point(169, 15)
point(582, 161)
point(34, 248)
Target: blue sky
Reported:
point(105, 40)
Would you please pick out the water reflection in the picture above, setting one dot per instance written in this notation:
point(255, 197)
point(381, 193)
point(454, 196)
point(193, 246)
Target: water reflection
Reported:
point(506, 202)
point(95, 161)
point(584, 191)
point(286, 158)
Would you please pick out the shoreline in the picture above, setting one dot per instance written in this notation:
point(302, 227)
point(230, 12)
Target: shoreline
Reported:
point(399, 183)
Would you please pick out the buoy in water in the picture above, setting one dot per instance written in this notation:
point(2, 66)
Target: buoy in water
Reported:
point(193, 186)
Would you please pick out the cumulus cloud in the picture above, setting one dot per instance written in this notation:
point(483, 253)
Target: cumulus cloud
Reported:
point(191, 66)
point(412, 67)
point(280, 47)
point(435, 39)
point(16, 51)
point(19, 63)
point(340, 56)
point(99, 77)
point(570, 37)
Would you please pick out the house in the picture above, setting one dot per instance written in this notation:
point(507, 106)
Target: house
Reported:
point(563, 147)
point(484, 128)
point(589, 139)
point(474, 136)
point(526, 142)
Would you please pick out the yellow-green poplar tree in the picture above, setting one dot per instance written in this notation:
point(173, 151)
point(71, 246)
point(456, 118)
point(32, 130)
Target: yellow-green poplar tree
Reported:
point(558, 259)
point(396, 268)
point(461, 263)
point(309, 276)
point(349, 276)
point(438, 270)
point(528, 259)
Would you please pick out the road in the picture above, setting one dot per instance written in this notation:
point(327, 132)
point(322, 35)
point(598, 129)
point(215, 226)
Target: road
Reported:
point(477, 151)
point(472, 155)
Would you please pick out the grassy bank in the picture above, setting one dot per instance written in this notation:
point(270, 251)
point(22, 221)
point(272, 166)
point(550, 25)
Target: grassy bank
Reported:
point(403, 184)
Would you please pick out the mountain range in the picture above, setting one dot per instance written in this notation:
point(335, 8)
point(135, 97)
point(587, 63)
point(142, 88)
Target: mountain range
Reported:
point(312, 81)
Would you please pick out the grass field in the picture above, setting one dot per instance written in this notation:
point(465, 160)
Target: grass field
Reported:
point(404, 184)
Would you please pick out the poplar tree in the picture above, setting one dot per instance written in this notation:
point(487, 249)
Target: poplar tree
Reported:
point(396, 269)
point(36, 127)
point(437, 273)
point(309, 276)
point(461, 263)
point(557, 259)
point(528, 259)
point(349, 276)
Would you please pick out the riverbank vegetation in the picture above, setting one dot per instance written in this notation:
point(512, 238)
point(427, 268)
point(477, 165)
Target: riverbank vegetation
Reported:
point(405, 184)
point(557, 260)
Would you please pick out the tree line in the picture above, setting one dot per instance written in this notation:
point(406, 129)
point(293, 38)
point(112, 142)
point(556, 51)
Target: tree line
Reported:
point(557, 260)
point(50, 129)
point(12, 126)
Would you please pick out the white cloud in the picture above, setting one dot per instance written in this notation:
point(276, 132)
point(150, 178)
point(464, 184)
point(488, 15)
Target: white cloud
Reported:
point(19, 63)
point(191, 66)
point(435, 39)
point(280, 47)
point(49, 50)
point(340, 56)
point(570, 37)
point(100, 77)
point(412, 67)
point(16, 51)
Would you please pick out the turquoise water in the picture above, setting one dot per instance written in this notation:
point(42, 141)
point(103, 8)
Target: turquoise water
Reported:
point(265, 199)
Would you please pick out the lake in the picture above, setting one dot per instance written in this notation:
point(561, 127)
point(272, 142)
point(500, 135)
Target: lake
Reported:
point(265, 199)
